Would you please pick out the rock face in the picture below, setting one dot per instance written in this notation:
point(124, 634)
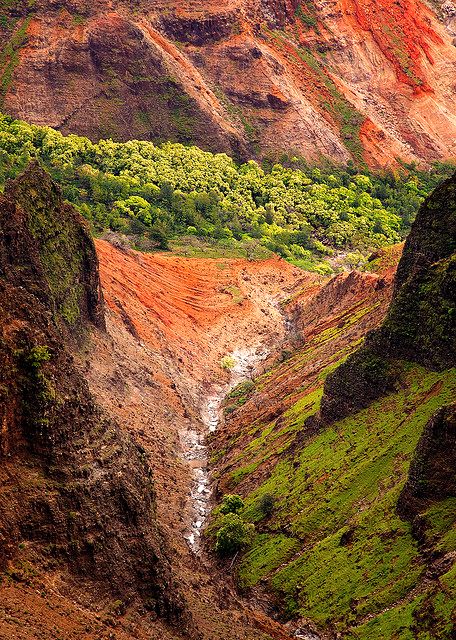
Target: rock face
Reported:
point(420, 323)
point(47, 250)
point(76, 494)
point(368, 81)
point(432, 471)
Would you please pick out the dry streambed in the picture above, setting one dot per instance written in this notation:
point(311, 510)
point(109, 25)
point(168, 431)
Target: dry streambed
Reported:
point(194, 442)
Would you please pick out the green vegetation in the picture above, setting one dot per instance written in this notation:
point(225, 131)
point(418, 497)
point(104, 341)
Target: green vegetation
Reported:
point(176, 196)
point(422, 317)
point(37, 357)
point(242, 390)
point(78, 19)
point(233, 535)
point(305, 11)
point(231, 503)
point(40, 393)
point(441, 519)
point(238, 396)
point(235, 293)
point(62, 249)
point(9, 56)
point(266, 504)
point(333, 548)
point(227, 363)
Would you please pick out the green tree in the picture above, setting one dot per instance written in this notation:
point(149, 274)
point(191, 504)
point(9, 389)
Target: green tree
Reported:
point(231, 503)
point(233, 535)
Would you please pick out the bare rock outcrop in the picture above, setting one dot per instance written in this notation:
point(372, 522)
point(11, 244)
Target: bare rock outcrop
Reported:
point(370, 82)
point(432, 473)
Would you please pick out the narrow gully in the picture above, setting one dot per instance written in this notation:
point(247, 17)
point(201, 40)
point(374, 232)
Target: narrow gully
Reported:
point(194, 442)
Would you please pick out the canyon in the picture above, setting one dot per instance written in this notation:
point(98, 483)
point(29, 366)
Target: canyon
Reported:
point(111, 403)
point(200, 439)
point(369, 82)
point(114, 366)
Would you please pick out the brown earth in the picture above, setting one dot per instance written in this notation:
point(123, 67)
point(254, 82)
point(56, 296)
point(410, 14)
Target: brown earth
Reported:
point(78, 523)
point(342, 79)
point(97, 512)
point(170, 320)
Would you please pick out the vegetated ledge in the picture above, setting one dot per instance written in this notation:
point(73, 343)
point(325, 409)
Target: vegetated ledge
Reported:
point(420, 324)
point(76, 493)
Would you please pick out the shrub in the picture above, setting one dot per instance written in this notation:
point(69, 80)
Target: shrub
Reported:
point(159, 237)
point(233, 535)
point(227, 362)
point(242, 389)
point(266, 504)
point(231, 504)
point(229, 409)
point(37, 357)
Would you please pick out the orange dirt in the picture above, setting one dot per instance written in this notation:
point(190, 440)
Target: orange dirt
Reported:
point(403, 31)
point(198, 309)
point(255, 76)
point(169, 321)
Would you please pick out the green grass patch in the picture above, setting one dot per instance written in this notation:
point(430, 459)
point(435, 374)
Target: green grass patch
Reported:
point(266, 554)
point(336, 496)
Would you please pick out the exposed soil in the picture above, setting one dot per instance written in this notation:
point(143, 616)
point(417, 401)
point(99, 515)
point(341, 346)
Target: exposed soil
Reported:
point(343, 79)
point(317, 310)
point(161, 373)
point(124, 493)
point(78, 525)
point(107, 486)
point(170, 322)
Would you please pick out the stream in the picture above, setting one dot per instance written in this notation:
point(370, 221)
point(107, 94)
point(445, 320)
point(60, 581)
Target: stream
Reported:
point(194, 442)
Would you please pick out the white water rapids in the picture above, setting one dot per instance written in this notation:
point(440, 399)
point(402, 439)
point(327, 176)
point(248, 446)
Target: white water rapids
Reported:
point(194, 442)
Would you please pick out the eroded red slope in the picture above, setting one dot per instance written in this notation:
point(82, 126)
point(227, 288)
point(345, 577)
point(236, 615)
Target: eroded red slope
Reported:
point(198, 309)
point(343, 79)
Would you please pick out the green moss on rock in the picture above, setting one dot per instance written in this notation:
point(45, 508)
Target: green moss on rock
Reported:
point(38, 223)
point(420, 325)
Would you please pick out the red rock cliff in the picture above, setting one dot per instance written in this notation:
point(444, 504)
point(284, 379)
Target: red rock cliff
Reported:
point(344, 79)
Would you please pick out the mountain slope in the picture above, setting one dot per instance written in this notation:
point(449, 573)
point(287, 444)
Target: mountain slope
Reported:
point(77, 500)
point(344, 79)
point(95, 403)
point(360, 536)
point(420, 324)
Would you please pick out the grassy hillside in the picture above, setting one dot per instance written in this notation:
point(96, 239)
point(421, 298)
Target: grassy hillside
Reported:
point(194, 200)
point(333, 548)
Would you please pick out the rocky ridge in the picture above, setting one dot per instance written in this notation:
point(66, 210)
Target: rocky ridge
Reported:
point(77, 498)
point(342, 79)
point(419, 325)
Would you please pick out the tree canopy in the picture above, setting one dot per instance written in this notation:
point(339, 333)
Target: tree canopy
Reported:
point(169, 191)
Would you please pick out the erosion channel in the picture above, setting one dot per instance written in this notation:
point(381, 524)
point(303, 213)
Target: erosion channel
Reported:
point(194, 442)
